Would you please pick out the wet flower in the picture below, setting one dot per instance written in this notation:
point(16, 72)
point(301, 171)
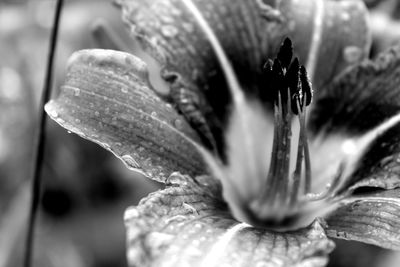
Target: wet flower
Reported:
point(251, 166)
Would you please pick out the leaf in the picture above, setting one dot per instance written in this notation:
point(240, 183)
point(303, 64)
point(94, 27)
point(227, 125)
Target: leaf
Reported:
point(372, 218)
point(250, 32)
point(361, 99)
point(108, 99)
point(188, 224)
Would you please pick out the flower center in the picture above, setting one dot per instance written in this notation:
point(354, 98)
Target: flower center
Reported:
point(255, 194)
point(287, 194)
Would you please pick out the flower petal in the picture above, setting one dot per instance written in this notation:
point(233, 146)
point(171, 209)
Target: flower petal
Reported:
point(187, 224)
point(373, 219)
point(107, 99)
point(250, 32)
point(361, 99)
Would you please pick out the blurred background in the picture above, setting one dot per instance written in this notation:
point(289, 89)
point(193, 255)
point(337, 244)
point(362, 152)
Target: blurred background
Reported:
point(85, 189)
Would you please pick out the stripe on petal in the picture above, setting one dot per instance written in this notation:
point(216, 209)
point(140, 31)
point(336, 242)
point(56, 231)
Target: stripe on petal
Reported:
point(373, 219)
point(250, 32)
point(188, 224)
point(107, 98)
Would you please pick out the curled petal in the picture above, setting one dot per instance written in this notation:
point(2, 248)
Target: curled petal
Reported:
point(188, 224)
point(108, 99)
point(372, 218)
point(249, 32)
point(361, 99)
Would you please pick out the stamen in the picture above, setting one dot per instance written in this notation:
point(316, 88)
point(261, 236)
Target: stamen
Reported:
point(293, 93)
point(307, 161)
point(273, 165)
point(299, 162)
point(281, 159)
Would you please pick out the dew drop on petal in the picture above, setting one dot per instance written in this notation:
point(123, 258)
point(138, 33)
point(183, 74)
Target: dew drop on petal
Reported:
point(169, 31)
point(77, 91)
point(178, 123)
point(60, 121)
point(130, 162)
point(124, 90)
point(176, 179)
point(53, 113)
point(345, 16)
point(352, 54)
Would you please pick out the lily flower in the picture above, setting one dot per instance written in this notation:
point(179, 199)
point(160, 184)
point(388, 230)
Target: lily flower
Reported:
point(259, 169)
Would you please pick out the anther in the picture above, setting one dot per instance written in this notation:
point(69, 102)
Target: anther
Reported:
point(305, 86)
point(285, 53)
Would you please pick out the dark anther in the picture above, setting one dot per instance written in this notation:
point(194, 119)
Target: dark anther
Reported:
point(284, 75)
point(285, 53)
point(306, 85)
point(277, 80)
point(292, 77)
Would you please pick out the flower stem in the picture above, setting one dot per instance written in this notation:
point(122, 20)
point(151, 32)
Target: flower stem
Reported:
point(40, 138)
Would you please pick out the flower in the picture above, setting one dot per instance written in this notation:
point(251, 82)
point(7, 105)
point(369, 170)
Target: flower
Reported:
point(202, 133)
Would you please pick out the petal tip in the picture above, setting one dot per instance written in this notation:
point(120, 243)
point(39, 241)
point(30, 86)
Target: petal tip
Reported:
point(107, 57)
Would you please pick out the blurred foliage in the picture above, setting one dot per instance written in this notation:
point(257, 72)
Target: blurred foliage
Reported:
point(85, 189)
point(385, 24)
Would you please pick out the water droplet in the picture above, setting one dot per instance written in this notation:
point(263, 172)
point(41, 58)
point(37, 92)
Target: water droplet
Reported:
point(77, 91)
point(154, 114)
point(169, 31)
point(178, 123)
point(130, 162)
point(345, 16)
point(176, 179)
point(131, 213)
point(189, 27)
point(77, 120)
point(352, 54)
point(124, 90)
point(60, 121)
point(96, 113)
point(53, 113)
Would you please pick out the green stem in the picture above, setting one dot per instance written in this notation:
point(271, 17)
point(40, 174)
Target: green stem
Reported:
point(40, 139)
